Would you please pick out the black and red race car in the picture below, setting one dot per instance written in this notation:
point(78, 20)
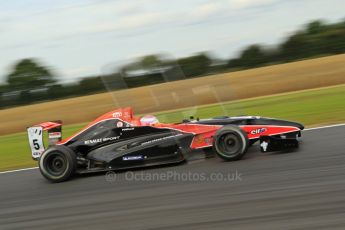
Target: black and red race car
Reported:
point(118, 140)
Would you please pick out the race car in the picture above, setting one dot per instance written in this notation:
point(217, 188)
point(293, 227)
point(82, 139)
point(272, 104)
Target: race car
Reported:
point(117, 140)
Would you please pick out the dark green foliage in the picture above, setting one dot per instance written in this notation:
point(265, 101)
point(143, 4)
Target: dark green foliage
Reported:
point(315, 39)
point(195, 65)
point(90, 85)
point(148, 79)
point(27, 74)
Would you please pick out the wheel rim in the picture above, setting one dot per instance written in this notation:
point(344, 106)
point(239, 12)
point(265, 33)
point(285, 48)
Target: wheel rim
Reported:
point(55, 163)
point(229, 144)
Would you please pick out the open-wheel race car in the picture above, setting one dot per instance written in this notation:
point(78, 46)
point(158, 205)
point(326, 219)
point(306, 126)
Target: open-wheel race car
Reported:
point(118, 140)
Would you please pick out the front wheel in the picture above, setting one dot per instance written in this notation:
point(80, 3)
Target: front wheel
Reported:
point(230, 143)
point(58, 164)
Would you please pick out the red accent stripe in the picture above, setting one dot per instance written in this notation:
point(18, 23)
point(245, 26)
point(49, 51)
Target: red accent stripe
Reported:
point(48, 125)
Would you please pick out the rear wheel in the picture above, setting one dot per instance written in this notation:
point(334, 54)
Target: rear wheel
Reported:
point(58, 164)
point(230, 143)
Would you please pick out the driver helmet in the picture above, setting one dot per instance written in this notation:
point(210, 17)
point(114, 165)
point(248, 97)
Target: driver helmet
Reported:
point(148, 120)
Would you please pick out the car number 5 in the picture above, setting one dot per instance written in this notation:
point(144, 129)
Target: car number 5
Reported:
point(35, 143)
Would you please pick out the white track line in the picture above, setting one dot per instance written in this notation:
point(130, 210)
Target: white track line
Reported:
point(18, 170)
point(325, 127)
point(322, 127)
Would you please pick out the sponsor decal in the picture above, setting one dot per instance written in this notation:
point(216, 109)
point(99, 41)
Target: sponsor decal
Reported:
point(36, 154)
point(55, 135)
point(117, 114)
point(119, 124)
point(128, 129)
point(133, 158)
point(264, 146)
point(100, 140)
point(258, 131)
point(160, 139)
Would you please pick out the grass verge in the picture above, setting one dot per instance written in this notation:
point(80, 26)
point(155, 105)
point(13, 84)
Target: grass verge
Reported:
point(310, 107)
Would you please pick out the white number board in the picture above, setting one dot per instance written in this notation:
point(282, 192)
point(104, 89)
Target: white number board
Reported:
point(35, 135)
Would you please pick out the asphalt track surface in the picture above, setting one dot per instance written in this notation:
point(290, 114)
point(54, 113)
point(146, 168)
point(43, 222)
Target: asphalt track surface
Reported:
point(297, 190)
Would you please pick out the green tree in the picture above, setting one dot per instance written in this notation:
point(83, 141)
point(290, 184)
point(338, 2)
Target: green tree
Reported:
point(151, 61)
point(56, 91)
point(315, 27)
point(295, 47)
point(234, 63)
point(91, 84)
point(253, 56)
point(146, 63)
point(195, 65)
point(27, 73)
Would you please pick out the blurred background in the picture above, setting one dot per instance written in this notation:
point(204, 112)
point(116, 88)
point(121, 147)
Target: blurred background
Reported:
point(74, 60)
point(54, 50)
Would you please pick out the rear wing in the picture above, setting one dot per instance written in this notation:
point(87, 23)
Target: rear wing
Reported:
point(35, 135)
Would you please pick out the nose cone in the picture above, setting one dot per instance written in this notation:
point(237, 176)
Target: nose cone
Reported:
point(298, 125)
point(271, 121)
point(291, 123)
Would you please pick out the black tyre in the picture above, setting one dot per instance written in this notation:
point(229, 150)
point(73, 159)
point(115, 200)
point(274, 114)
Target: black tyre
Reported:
point(58, 164)
point(230, 143)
